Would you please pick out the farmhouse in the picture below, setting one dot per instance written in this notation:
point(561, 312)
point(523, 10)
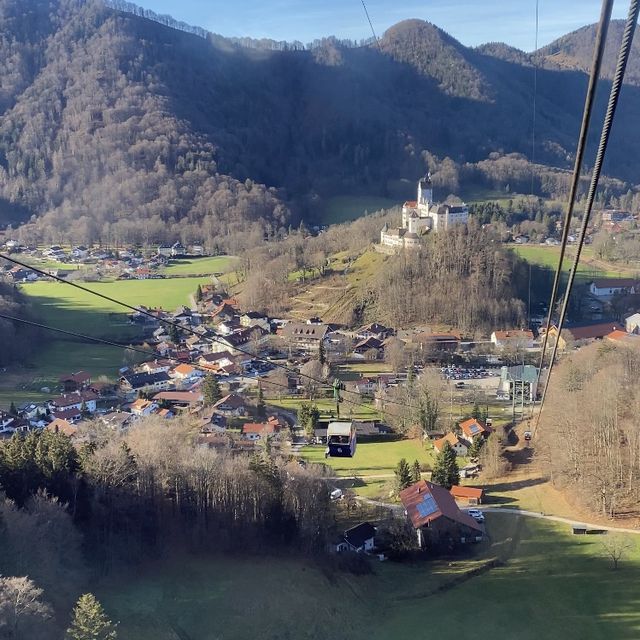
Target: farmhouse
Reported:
point(472, 428)
point(231, 405)
point(360, 538)
point(75, 381)
point(606, 288)
point(74, 400)
point(258, 430)
point(436, 517)
point(518, 338)
point(456, 443)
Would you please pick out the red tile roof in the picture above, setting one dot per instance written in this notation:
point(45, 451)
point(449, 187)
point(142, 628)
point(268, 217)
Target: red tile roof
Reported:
point(466, 492)
point(179, 396)
point(617, 334)
point(470, 432)
point(451, 438)
point(62, 426)
point(443, 505)
point(258, 427)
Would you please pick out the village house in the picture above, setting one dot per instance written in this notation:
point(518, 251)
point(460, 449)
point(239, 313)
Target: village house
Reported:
point(257, 430)
point(305, 337)
point(143, 408)
point(436, 517)
point(461, 448)
point(71, 415)
point(145, 382)
point(75, 381)
point(374, 330)
point(179, 399)
point(116, 420)
point(62, 426)
point(468, 496)
point(156, 366)
point(429, 342)
point(606, 288)
point(515, 339)
point(584, 332)
point(7, 422)
point(473, 428)
point(81, 400)
point(369, 349)
point(358, 539)
point(231, 405)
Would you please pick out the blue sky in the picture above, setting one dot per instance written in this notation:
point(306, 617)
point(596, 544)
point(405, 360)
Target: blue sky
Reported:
point(470, 21)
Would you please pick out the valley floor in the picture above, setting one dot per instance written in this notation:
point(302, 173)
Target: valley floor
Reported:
point(531, 580)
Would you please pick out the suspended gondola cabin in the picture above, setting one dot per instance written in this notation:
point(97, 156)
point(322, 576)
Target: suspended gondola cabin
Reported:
point(341, 439)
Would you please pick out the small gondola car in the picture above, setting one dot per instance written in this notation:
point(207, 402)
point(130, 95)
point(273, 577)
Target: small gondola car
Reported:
point(341, 440)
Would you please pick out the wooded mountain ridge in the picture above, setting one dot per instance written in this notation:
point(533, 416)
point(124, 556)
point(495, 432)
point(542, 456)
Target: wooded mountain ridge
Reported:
point(117, 127)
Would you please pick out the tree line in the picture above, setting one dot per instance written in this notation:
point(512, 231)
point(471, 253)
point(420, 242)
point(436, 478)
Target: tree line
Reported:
point(70, 512)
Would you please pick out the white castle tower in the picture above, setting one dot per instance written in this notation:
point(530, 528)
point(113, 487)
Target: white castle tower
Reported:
point(425, 192)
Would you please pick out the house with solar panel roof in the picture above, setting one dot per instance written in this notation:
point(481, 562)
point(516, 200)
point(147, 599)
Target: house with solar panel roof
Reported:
point(436, 517)
point(473, 428)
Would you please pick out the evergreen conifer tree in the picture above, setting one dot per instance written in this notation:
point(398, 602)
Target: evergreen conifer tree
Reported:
point(90, 622)
point(416, 472)
point(403, 473)
point(211, 389)
point(445, 470)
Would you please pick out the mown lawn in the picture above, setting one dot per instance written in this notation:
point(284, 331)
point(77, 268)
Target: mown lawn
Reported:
point(550, 585)
point(199, 266)
point(58, 357)
point(547, 256)
point(373, 458)
point(327, 407)
point(65, 307)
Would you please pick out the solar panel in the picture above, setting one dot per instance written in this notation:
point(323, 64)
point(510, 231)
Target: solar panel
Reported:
point(427, 506)
point(475, 428)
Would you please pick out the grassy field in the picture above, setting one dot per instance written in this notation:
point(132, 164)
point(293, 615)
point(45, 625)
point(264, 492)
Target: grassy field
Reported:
point(548, 585)
point(199, 266)
point(58, 357)
point(547, 256)
point(327, 407)
point(63, 306)
point(373, 458)
point(344, 208)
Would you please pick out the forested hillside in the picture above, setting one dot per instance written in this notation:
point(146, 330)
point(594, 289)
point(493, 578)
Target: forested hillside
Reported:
point(118, 127)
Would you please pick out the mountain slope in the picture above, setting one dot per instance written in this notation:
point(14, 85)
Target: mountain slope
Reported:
point(574, 51)
point(117, 127)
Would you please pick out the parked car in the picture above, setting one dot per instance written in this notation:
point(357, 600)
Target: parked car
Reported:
point(527, 435)
point(476, 514)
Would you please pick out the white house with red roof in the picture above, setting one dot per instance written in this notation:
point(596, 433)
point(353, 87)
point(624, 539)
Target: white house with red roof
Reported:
point(459, 446)
point(473, 428)
point(258, 430)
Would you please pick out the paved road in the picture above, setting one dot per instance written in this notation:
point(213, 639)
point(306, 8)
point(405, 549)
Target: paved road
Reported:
point(542, 516)
point(516, 512)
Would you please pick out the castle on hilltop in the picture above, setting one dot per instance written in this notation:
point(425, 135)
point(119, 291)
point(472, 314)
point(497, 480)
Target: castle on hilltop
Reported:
point(421, 216)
